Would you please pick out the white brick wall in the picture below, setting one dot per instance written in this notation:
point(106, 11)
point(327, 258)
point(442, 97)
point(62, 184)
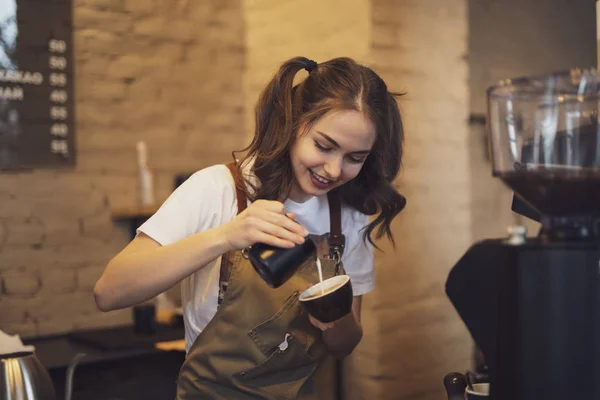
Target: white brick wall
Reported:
point(278, 30)
point(165, 71)
point(420, 47)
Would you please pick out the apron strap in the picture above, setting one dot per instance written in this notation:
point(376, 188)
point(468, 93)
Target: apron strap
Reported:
point(336, 238)
point(227, 260)
point(335, 219)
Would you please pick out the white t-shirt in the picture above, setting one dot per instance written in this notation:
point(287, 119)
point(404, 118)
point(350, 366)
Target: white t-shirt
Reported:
point(206, 200)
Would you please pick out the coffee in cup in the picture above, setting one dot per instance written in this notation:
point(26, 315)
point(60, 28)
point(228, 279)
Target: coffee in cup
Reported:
point(329, 300)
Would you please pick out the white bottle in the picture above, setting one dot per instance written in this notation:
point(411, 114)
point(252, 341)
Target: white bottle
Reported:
point(146, 177)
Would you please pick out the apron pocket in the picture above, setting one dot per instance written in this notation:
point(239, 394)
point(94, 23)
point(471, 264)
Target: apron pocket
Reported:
point(271, 333)
point(291, 347)
point(289, 321)
point(283, 373)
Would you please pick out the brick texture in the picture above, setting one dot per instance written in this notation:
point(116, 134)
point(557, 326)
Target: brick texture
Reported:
point(167, 72)
point(420, 47)
point(320, 30)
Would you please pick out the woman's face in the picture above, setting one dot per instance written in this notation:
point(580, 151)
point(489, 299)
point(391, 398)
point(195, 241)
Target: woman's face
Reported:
point(330, 153)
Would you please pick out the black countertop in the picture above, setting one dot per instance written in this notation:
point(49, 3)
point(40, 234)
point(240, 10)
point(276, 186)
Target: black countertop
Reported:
point(100, 345)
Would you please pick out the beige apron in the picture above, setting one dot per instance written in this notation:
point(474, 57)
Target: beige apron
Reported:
point(260, 343)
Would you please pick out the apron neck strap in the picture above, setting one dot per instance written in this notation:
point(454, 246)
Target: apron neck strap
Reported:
point(335, 219)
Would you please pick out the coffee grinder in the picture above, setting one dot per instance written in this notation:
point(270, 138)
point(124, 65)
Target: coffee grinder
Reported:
point(532, 305)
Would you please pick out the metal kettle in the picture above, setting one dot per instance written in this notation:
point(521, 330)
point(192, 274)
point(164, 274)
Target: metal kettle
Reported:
point(23, 377)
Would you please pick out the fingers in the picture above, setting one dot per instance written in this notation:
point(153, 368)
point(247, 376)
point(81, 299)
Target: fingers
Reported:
point(267, 222)
point(277, 215)
point(271, 205)
point(270, 217)
point(277, 232)
point(271, 240)
point(288, 224)
point(276, 207)
point(321, 325)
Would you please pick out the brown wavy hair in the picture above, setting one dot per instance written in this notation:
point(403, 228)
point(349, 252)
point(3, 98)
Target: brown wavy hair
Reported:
point(338, 84)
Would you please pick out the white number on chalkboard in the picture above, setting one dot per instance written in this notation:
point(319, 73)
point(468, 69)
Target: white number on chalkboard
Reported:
point(60, 130)
point(59, 147)
point(58, 96)
point(57, 46)
point(58, 79)
point(58, 113)
point(57, 62)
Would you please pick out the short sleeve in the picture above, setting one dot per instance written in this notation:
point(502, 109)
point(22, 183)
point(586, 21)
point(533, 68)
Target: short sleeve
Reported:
point(205, 200)
point(358, 256)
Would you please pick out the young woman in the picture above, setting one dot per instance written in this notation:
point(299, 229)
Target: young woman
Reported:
point(322, 161)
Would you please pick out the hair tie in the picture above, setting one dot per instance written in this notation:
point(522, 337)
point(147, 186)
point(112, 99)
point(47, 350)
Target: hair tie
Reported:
point(310, 66)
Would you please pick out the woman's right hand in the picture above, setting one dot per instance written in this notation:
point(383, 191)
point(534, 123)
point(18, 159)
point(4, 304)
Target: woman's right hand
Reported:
point(264, 221)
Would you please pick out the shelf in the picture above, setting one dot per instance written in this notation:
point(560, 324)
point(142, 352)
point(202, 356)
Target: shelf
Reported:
point(133, 216)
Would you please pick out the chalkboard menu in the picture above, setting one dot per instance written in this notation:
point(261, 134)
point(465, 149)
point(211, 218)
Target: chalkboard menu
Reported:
point(36, 84)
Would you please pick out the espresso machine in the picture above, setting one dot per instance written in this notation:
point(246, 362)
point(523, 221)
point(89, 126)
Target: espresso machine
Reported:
point(532, 304)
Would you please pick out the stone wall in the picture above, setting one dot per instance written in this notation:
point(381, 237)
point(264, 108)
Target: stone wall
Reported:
point(279, 30)
point(421, 47)
point(168, 72)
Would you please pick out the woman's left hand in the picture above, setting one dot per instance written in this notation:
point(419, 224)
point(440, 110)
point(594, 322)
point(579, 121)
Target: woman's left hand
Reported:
point(321, 325)
point(343, 335)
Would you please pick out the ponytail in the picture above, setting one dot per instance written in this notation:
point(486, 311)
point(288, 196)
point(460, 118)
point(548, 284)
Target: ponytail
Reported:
point(274, 108)
point(274, 130)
